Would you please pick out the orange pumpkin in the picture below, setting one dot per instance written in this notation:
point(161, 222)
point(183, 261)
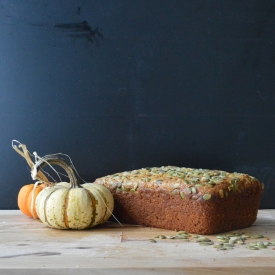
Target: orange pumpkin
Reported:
point(25, 199)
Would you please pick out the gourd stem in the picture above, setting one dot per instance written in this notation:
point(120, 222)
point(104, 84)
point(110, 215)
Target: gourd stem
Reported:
point(55, 160)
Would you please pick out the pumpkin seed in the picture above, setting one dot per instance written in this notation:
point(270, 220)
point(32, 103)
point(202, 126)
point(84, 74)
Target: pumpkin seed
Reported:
point(176, 185)
point(182, 195)
point(223, 248)
point(119, 184)
point(221, 237)
point(262, 246)
point(211, 183)
point(257, 236)
point(234, 238)
point(223, 241)
point(113, 185)
point(175, 192)
point(182, 232)
point(202, 239)
point(206, 197)
point(152, 240)
point(221, 193)
point(198, 185)
point(188, 190)
point(253, 247)
point(181, 237)
point(206, 243)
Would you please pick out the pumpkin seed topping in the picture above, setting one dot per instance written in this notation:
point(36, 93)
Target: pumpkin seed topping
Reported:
point(175, 192)
point(182, 195)
point(198, 182)
point(206, 197)
point(176, 185)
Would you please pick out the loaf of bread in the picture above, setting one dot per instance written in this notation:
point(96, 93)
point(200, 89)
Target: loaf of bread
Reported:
point(198, 201)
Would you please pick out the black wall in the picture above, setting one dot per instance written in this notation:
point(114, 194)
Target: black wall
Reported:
point(185, 83)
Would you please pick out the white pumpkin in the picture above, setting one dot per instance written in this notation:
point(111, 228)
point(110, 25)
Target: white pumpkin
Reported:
point(72, 206)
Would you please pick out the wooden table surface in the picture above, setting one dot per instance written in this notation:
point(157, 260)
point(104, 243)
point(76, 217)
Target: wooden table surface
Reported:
point(29, 247)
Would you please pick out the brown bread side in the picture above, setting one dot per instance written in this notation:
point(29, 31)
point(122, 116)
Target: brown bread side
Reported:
point(198, 201)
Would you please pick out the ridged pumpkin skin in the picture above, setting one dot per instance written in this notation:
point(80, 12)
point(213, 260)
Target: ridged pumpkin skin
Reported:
point(71, 205)
point(24, 199)
point(74, 208)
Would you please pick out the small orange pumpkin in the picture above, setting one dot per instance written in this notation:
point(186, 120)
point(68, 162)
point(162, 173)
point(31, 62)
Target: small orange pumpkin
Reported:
point(25, 199)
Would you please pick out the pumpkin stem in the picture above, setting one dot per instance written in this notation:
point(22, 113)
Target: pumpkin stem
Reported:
point(22, 150)
point(56, 160)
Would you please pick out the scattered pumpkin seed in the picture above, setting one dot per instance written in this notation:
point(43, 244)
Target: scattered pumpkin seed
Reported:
point(181, 237)
point(240, 242)
point(182, 232)
point(253, 247)
point(170, 237)
point(257, 236)
point(262, 246)
point(202, 239)
point(152, 240)
point(221, 193)
point(206, 243)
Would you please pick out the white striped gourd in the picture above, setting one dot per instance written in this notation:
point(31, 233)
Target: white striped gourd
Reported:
point(71, 205)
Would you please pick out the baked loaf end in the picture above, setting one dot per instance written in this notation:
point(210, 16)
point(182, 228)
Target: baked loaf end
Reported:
point(198, 201)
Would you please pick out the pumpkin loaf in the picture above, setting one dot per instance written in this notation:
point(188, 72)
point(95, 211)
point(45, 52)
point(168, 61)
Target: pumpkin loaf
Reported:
point(198, 201)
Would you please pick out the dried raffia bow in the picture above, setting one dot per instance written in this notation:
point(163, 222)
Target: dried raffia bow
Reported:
point(22, 150)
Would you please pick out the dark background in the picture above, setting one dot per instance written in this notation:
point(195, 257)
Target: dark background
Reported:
point(185, 83)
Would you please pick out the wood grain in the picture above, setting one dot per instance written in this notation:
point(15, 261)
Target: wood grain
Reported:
point(29, 247)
